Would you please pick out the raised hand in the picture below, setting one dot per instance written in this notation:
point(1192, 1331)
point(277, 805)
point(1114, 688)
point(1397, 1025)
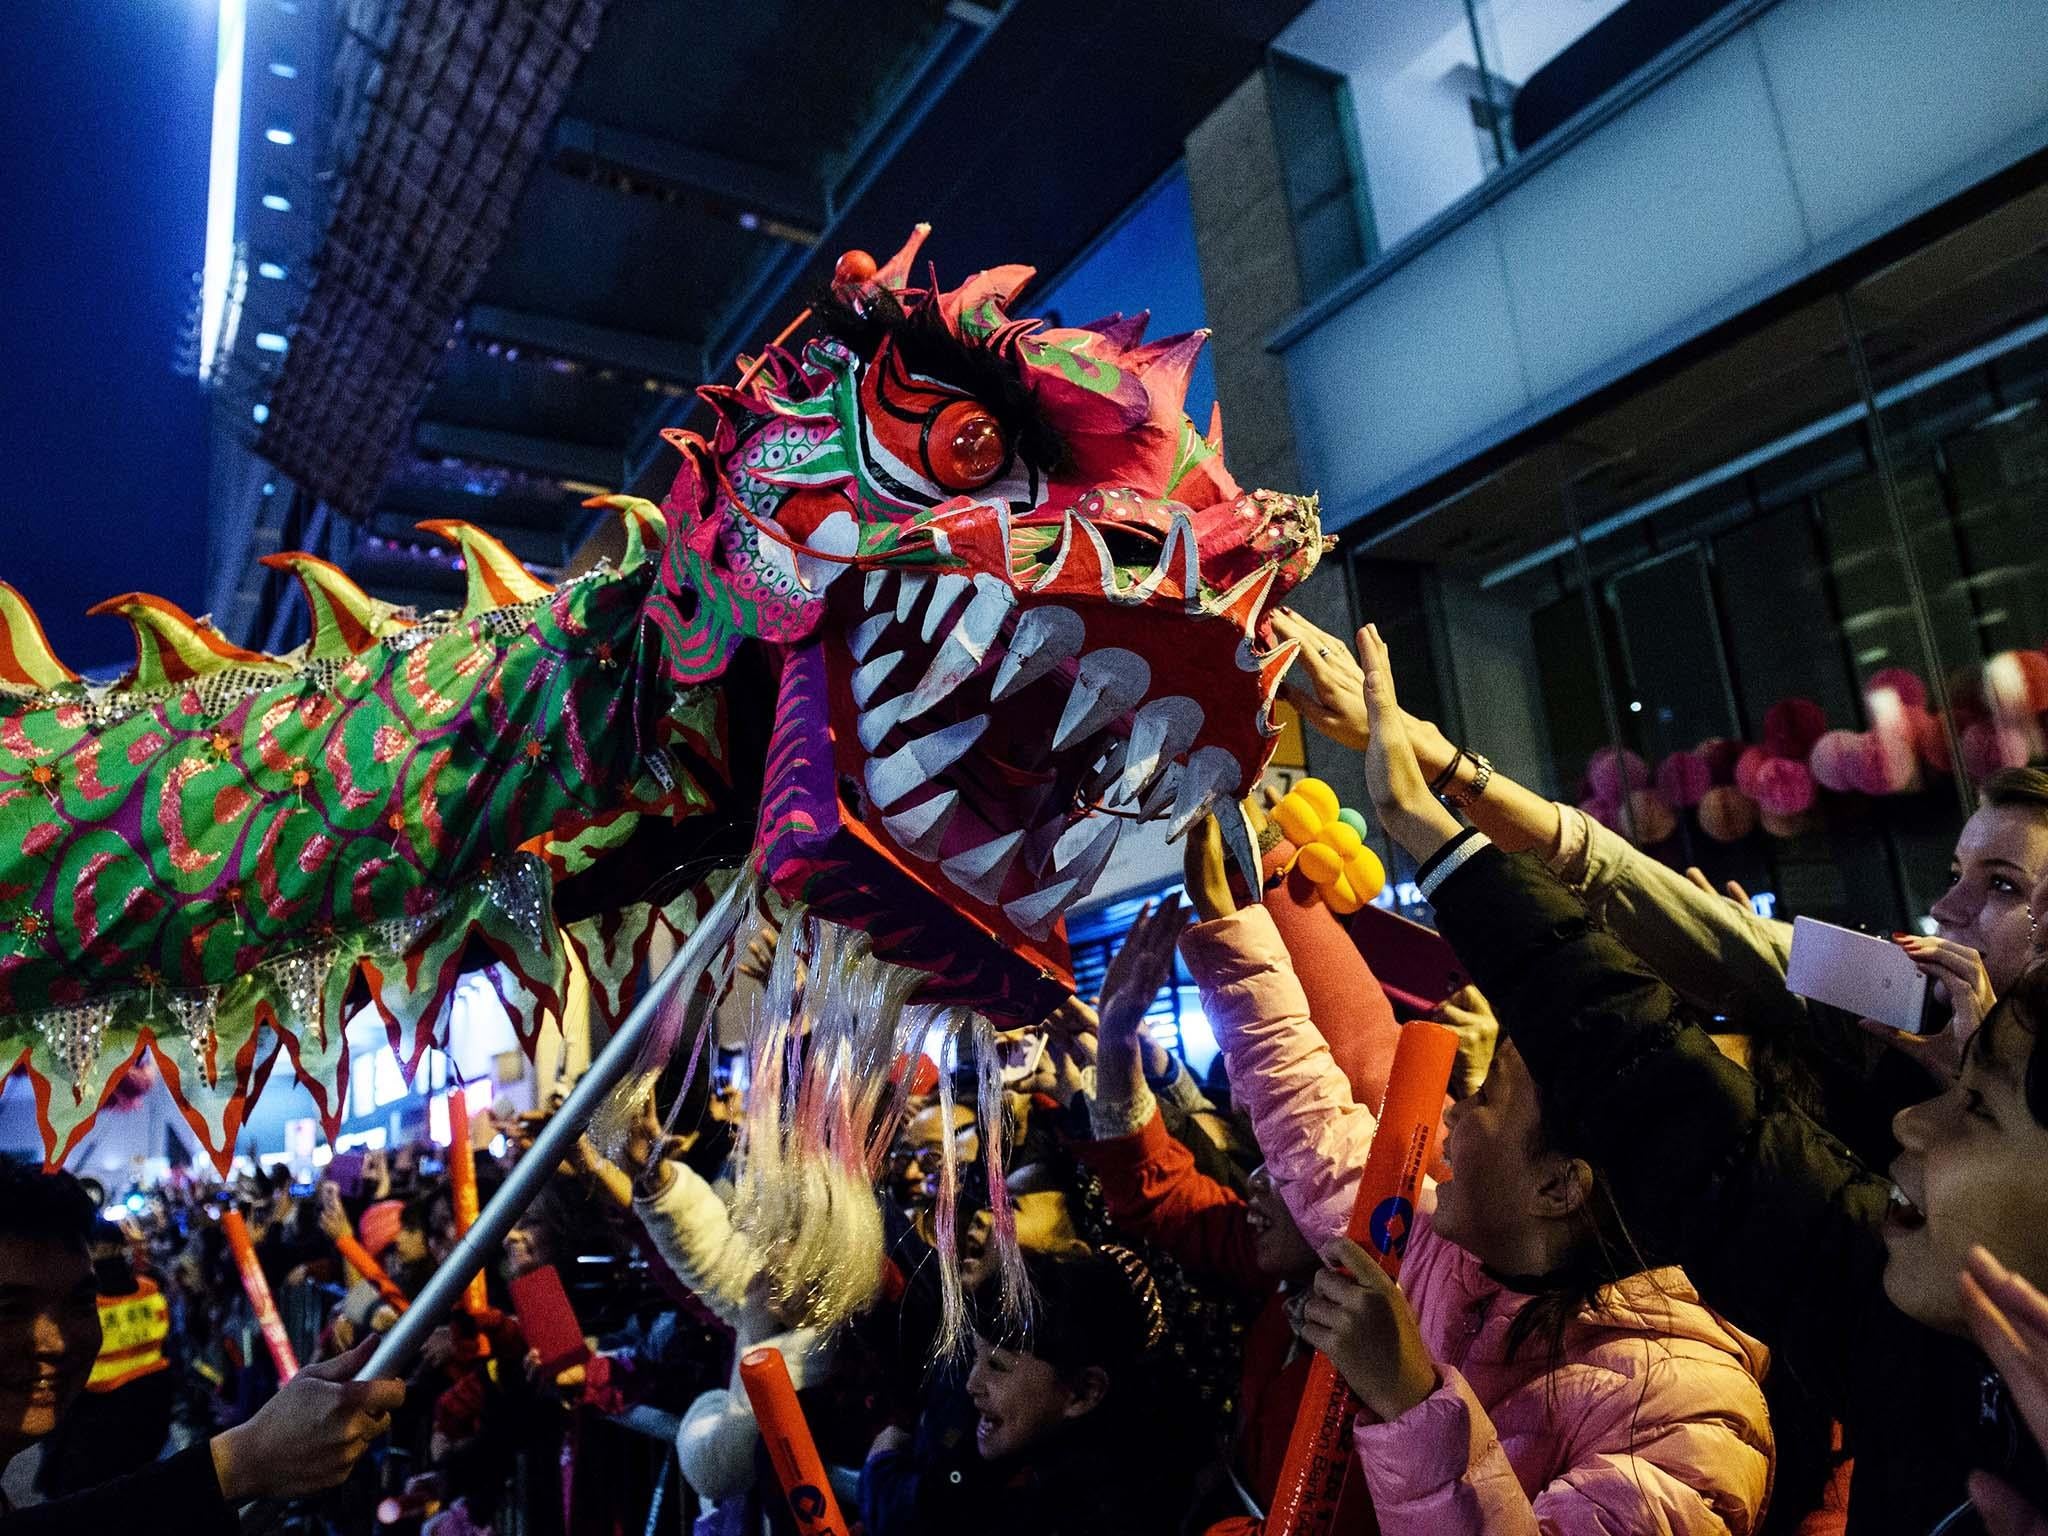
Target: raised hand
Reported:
point(1959, 971)
point(333, 1218)
point(2009, 1319)
point(1142, 964)
point(1334, 699)
point(1358, 1317)
point(1393, 774)
point(310, 1436)
point(1205, 869)
point(1471, 1015)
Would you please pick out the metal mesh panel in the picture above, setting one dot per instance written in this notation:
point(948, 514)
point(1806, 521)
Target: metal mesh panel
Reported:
point(440, 114)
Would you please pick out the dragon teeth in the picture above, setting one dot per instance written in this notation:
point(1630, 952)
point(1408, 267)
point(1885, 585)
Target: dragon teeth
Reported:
point(872, 590)
point(838, 534)
point(867, 633)
point(891, 779)
point(947, 590)
point(980, 871)
point(1162, 730)
point(960, 657)
point(1211, 774)
point(909, 594)
point(1108, 683)
point(1037, 912)
point(1045, 638)
point(921, 828)
point(1162, 792)
point(1084, 850)
point(869, 679)
point(878, 721)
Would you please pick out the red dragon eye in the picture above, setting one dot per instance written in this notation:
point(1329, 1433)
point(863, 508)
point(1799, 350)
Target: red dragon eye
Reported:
point(965, 447)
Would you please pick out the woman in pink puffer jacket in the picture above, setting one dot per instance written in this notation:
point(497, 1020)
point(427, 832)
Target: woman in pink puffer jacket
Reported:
point(1588, 1399)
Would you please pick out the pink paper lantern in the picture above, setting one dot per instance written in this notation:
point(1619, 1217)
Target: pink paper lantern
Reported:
point(1684, 778)
point(1906, 684)
point(1989, 749)
point(1784, 789)
point(1836, 761)
point(1747, 767)
point(1727, 815)
point(1792, 726)
point(1652, 817)
point(1610, 776)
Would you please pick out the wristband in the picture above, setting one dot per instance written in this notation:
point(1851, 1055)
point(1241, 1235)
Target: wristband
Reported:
point(1458, 799)
point(1436, 785)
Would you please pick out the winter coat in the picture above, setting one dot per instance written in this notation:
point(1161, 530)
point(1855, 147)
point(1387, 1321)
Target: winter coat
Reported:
point(692, 1230)
point(1773, 1218)
point(1652, 1419)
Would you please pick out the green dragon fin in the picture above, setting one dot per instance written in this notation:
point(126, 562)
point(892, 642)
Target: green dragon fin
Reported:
point(346, 620)
point(26, 660)
point(172, 647)
point(496, 578)
point(646, 528)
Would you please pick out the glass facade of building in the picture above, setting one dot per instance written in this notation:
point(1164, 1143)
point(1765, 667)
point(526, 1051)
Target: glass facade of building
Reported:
point(1776, 605)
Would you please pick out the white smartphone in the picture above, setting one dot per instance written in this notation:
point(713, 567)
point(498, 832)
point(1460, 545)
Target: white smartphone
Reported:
point(1870, 977)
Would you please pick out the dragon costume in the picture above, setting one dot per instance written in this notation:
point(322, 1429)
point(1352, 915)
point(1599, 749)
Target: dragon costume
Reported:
point(943, 602)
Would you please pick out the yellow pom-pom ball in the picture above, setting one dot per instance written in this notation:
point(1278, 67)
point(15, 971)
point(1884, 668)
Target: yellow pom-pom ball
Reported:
point(1365, 873)
point(1342, 837)
point(1318, 794)
point(1320, 863)
point(1298, 819)
point(1342, 898)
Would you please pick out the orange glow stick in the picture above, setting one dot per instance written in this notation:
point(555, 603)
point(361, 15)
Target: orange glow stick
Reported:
point(257, 1289)
point(798, 1467)
point(358, 1258)
point(462, 1190)
point(1319, 1451)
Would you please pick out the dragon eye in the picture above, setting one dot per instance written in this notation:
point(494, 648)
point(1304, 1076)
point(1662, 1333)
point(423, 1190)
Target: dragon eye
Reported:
point(964, 447)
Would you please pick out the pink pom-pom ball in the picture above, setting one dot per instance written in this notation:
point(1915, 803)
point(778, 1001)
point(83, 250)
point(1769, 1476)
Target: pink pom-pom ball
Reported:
point(1837, 761)
point(1720, 754)
point(1652, 817)
point(1748, 766)
point(1610, 776)
point(1726, 814)
point(1784, 789)
point(1684, 778)
point(1792, 726)
point(1989, 749)
point(1784, 826)
point(1906, 684)
point(1930, 743)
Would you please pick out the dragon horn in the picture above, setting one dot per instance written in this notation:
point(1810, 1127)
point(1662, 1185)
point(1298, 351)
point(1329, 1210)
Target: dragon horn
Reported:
point(1166, 365)
point(26, 659)
point(172, 647)
point(346, 620)
point(1215, 435)
point(496, 578)
point(646, 529)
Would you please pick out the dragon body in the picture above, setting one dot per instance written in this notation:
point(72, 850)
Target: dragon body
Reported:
point(943, 602)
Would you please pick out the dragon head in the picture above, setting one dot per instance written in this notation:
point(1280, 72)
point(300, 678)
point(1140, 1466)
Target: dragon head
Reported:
point(1017, 600)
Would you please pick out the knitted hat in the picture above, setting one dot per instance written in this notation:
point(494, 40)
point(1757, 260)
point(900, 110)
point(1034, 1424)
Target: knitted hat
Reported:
point(379, 1226)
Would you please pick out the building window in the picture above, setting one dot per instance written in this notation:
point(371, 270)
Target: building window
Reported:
point(1315, 128)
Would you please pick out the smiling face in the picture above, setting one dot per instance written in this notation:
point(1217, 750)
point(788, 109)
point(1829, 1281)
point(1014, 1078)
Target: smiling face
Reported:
point(1022, 605)
point(1022, 1399)
point(1279, 1247)
point(1969, 1171)
point(49, 1334)
point(2000, 857)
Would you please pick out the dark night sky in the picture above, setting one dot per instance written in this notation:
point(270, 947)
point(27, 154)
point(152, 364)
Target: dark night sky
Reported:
point(104, 108)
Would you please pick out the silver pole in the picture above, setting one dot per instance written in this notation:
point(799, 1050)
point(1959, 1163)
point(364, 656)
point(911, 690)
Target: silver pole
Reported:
point(394, 1355)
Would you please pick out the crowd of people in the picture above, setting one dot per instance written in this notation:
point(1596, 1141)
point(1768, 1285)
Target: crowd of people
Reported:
point(1697, 1256)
